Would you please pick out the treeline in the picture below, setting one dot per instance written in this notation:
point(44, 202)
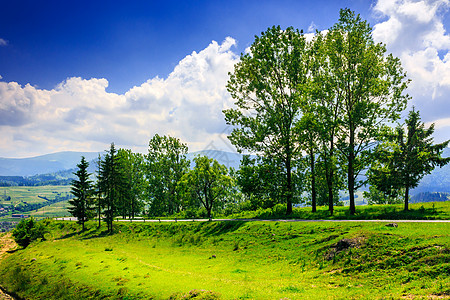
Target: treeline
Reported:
point(160, 183)
point(58, 178)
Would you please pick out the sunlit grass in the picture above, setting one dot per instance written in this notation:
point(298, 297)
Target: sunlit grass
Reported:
point(236, 260)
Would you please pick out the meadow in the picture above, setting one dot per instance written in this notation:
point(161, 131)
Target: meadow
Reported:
point(30, 194)
point(233, 260)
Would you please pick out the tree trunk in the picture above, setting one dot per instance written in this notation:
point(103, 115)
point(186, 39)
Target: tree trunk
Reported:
point(351, 187)
point(330, 197)
point(313, 180)
point(351, 171)
point(406, 198)
point(289, 188)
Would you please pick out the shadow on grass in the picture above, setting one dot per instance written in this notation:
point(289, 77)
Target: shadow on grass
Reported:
point(222, 227)
point(368, 212)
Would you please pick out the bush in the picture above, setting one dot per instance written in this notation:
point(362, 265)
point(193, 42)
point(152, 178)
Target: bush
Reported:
point(28, 230)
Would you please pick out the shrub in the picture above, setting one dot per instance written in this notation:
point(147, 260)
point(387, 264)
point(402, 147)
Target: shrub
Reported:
point(28, 230)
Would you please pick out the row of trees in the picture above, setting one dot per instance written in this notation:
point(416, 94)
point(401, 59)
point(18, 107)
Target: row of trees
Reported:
point(317, 114)
point(162, 181)
point(331, 98)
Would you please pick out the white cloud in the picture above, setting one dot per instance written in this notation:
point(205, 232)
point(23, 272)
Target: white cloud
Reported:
point(312, 27)
point(414, 32)
point(79, 114)
point(3, 42)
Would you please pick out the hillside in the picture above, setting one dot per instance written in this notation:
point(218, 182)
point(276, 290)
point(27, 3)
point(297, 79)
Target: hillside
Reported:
point(234, 260)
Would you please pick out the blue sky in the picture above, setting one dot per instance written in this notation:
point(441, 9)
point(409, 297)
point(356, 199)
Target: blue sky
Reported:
point(128, 42)
point(77, 75)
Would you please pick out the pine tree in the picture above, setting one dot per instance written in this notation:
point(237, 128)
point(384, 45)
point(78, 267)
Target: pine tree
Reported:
point(82, 205)
point(110, 180)
point(406, 158)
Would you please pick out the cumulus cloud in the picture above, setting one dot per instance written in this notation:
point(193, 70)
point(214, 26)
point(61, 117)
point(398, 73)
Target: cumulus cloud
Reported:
point(79, 114)
point(414, 32)
point(3, 42)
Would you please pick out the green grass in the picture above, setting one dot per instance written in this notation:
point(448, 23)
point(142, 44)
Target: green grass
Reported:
point(54, 210)
point(417, 211)
point(30, 194)
point(234, 260)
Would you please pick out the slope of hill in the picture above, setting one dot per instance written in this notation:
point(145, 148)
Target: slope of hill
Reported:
point(233, 260)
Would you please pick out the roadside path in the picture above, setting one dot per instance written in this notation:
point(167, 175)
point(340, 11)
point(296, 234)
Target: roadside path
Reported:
point(264, 220)
point(4, 296)
point(6, 243)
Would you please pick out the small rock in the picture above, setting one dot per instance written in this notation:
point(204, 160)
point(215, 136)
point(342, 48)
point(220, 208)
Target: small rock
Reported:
point(392, 225)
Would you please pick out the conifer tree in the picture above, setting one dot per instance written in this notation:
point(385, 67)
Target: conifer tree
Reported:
point(406, 157)
point(82, 205)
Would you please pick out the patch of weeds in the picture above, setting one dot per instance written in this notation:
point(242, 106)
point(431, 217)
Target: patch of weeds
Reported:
point(236, 246)
point(291, 289)
point(196, 294)
point(120, 280)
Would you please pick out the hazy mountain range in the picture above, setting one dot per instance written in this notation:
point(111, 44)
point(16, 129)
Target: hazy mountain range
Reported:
point(437, 181)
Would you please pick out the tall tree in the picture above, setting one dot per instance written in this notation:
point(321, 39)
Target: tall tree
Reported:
point(166, 164)
point(267, 86)
point(81, 206)
point(207, 183)
point(98, 191)
point(131, 169)
point(406, 157)
point(369, 84)
point(110, 185)
point(321, 113)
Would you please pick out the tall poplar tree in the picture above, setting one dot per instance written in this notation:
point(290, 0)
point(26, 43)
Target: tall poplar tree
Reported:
point(369, 85)
point(267, 86)
point(81, 206)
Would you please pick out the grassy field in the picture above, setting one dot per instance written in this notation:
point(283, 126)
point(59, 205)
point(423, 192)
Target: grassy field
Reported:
point(417, 211)
point(30, 194)
point(234, 260)
point(19, 195)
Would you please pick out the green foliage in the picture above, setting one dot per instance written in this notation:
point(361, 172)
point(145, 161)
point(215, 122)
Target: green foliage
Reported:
point(267, 86)
point(259, 182)
point(132, 188)
point(166, 163)
point(368, 84)
point(82, 189)
point(207, 184)
point(405, 157)
point(27, 231)
point(111, 185)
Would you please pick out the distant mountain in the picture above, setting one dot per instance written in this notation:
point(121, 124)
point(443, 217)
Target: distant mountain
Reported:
point(43, 164)
point(437, 181)
point(229, 159)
